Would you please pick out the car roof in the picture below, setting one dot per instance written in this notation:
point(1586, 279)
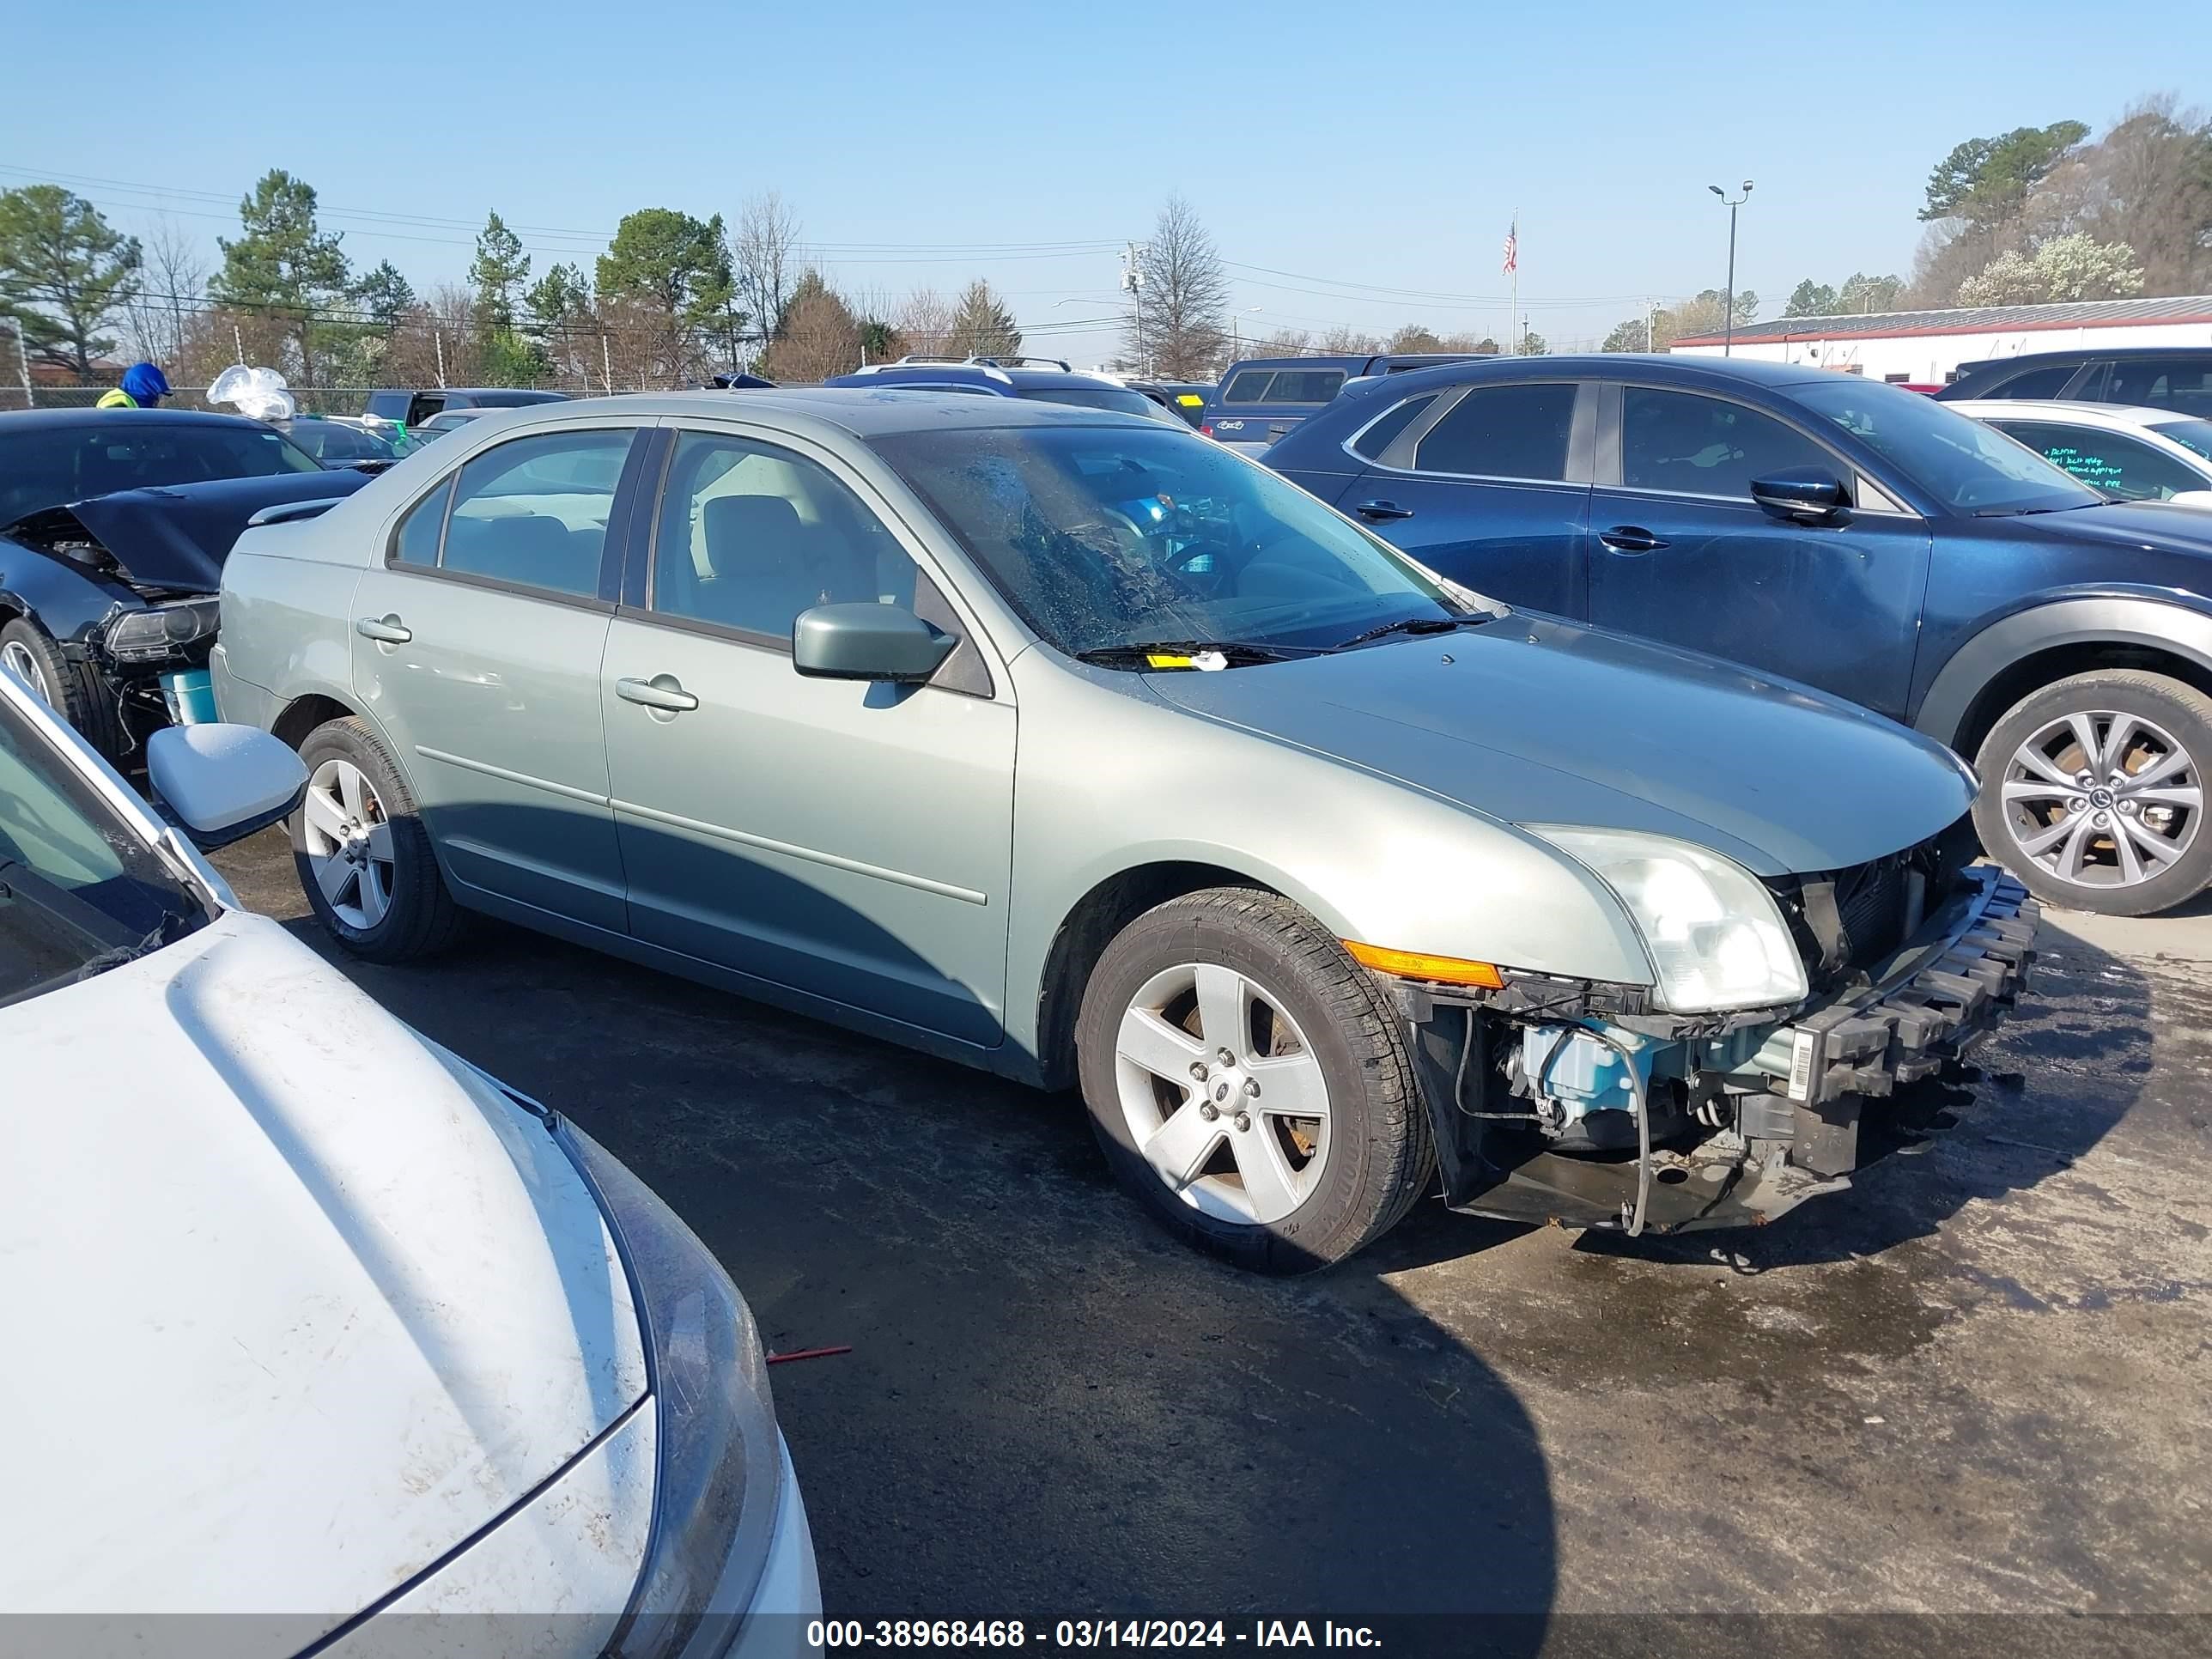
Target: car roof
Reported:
point(861, 411)
point(1715, 373)
point(2059, 409)
point(45, 420)
point(2082, 354)
point(1004, 380)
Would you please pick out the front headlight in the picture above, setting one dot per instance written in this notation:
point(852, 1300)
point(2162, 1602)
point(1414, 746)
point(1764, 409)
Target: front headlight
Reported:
point(162, 631)
point(714, 1503)
point(1717, 939)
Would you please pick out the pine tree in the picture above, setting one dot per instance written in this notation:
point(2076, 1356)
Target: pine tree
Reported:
point(982, 325)
point(499, 273)
point(65, 273)
point(283, 263)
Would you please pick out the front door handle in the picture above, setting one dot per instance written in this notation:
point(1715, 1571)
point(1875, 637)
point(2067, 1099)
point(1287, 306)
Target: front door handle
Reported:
point(1630, 538)
point(386, 629)
point(664, 694)
point(1378, 510)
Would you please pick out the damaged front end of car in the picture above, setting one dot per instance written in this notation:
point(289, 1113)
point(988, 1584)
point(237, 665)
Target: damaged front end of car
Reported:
point(1587, 1104)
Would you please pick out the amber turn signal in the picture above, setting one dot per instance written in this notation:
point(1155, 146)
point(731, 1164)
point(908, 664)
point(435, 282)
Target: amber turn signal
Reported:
point(1411, 964)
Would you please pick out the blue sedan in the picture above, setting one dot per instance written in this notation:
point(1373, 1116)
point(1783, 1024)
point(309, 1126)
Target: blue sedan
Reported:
point(1860, 538)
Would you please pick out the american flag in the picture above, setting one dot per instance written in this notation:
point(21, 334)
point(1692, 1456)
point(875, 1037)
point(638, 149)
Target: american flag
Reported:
point(1512, 248)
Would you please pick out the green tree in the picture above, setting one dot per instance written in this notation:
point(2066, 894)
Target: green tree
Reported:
point(1628, 335)
point(675, 270)
point(499, 273)
point(1810, 299)
point(383, 296)
point(282, 263)
point(1985, 181)
point(982, 325)
point(65, 275)
point(1533, 345)
point(1862, 294)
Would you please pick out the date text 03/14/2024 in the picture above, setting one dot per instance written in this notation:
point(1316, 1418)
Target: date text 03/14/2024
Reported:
point(1086, 1633)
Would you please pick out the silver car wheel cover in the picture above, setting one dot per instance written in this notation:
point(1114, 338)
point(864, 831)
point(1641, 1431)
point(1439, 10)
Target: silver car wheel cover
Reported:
point(2099, 799)
point(17, 655)
point(1245, 1139)
point(347, 839)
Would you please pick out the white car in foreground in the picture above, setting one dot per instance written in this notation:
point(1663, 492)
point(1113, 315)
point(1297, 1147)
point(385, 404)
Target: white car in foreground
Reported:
point(316, 1336)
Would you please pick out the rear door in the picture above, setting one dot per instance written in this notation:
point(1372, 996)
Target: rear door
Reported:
point(1678, 551)
point(848, 841)
point(1487, 484)
point(2182, 383)
point(476, 647)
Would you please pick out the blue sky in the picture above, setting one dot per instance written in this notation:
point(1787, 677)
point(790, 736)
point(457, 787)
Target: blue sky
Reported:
point(1327, 147)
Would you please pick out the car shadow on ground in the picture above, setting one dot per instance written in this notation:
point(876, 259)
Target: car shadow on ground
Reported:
point(1051, 1409)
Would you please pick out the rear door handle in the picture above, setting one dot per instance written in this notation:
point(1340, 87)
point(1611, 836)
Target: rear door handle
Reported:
point(384, 630)
point(663, 693)
point(1630, 538)
point(1382, 510)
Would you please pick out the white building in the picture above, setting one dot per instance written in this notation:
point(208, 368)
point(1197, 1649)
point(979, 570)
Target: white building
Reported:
point(1925, 347)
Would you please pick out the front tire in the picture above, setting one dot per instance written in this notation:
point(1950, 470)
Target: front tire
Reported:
point(1248, 1083)
point(364, 859)
point(72, 690)
point(2092, 793)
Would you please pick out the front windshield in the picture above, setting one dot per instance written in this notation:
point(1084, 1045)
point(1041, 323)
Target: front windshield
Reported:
point(49, 465)
point(2190, 435)
point(1118, 398)
point(1958, 460)
point(1109, 536)
point(80, 892)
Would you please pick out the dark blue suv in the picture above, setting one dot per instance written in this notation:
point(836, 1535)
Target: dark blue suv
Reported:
point(1868, 541)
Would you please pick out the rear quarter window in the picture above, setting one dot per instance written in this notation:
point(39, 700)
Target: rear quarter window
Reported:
point(1250, 387)
point(1305, 385)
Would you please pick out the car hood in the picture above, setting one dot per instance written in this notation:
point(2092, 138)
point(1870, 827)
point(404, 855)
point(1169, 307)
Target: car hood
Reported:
point(297, 1304)
point(171, 536)
point(2131, 524)
point(1537, 721)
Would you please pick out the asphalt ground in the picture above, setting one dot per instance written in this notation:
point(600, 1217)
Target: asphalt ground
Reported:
point(1966, 1406)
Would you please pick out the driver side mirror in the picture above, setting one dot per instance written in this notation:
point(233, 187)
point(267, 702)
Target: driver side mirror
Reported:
point(1803, 493)
point(865, 641)
point(1806, 493)
point(220, 783)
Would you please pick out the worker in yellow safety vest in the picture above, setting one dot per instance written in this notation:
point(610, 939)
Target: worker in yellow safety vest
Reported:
point(143, 386)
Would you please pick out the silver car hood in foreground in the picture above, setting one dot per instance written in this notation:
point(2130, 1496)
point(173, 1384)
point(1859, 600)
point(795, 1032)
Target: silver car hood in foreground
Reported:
point(1534, 721)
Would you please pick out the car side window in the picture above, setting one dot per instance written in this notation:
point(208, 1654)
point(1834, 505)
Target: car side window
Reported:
point(423, 528)
point(1689, 445)
point(2121, 466)
point(1503, 432)
point(533, 511)
point(1249, 387)
point(2045, 382)
point(2181, 383)
point(748, 535)
point(1379, 436)
point(1305, 385)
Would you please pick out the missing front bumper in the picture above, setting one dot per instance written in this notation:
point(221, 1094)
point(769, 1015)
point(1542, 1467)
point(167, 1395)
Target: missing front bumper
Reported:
point(1797, 1105)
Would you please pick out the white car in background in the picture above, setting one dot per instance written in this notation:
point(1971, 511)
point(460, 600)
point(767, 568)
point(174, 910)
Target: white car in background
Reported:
point(316, 1332)
point(2131, 454)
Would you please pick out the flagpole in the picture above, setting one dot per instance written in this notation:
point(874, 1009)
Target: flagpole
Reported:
point(1515, 234)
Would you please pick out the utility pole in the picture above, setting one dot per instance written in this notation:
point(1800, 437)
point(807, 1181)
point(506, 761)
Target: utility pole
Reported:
point(1650, 319)
point(1133, 284)
point(1728, 322)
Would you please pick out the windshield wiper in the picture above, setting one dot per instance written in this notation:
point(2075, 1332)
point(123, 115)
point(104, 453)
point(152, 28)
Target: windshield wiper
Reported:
point(1235, 652)
point(1411, 625)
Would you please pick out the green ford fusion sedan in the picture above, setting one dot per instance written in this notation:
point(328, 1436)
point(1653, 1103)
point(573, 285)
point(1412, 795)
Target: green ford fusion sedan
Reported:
point(1075, 747)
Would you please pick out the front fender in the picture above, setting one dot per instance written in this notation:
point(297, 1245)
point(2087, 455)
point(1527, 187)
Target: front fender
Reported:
point(66, 602)
point(2162, 618)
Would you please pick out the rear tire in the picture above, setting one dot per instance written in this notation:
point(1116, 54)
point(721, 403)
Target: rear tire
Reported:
point(1259, 1182)
point(2092, 793)
point(73, 691)
point(364, 859)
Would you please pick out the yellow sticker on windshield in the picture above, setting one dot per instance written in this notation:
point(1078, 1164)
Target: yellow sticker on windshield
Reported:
point(1161, 659)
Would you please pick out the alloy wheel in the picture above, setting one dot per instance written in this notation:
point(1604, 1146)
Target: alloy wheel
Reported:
point(347, 839)
point(17, 655)
point(2102, 800)
point(1225, 1098)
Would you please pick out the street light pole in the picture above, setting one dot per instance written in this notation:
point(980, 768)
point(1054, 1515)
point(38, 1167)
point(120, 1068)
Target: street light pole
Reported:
point(1728, 321)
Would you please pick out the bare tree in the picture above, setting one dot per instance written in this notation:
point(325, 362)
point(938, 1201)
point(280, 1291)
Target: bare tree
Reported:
point(924, 319)
point(1344, 341)
point(764, 251)
point(1182, 306)
point(173, 276)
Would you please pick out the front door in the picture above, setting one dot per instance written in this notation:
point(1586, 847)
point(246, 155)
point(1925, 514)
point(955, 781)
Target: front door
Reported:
point(1680, 552)
point(476, 646)
point(1490, 488)
point(849, 842)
